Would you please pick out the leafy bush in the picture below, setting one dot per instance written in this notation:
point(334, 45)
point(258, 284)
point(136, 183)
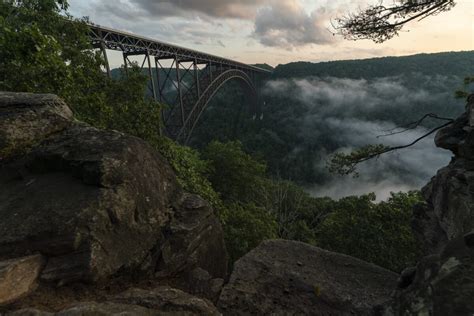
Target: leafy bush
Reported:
point(44, 50)
point(378, 233)
point(190, 170)
point(233, 173)
point(246, 226)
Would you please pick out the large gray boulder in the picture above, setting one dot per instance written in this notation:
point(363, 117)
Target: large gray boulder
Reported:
point(96, 203)
point(92, 309)
point(160, 301)
point(93, 201)
point(27, 119)
point(292, 278)
point(440, 285)
point(166, 299)
point(449, 212)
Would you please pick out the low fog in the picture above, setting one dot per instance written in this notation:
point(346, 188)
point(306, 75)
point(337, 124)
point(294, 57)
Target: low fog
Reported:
point(352, 113)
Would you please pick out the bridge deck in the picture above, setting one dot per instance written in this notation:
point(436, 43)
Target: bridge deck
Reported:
point(134, 44)
point(194, 85)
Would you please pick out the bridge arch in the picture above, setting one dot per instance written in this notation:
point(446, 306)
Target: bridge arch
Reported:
point(200, 106)
point(194, 76)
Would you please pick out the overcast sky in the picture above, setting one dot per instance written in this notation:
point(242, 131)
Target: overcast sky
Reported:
point(273, 31)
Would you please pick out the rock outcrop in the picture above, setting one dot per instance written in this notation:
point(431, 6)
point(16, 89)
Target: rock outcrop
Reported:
point(160, 301)
point(166, 299)
point(292, 278)
point(440, 285)
point(95, 204)
point(27, 119)
point(18, 277)
point(449, 213)
point(194, 234)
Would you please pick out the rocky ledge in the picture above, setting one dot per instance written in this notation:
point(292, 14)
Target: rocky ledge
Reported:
point(449, 212)
point(95, 223)
point(83, 205)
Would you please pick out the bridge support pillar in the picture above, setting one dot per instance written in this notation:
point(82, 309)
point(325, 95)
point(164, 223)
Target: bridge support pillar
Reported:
point(158, 80)
point(106, 59)
point(180, 92)
point(125, 63)
point(196, 78)
point(152, 79)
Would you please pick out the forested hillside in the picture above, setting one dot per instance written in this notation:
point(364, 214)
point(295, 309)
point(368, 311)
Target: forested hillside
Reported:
point(446, 64)
point(312, 110)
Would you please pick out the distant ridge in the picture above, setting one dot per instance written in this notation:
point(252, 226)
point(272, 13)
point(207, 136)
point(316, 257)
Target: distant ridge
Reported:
point(447, 63)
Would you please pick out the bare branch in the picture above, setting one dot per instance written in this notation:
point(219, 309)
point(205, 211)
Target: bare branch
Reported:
point(345, 164)
point(380, 23)
point(414, 125)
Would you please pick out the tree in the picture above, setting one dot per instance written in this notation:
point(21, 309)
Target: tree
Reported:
point(245, 227)
point(44, 50)
point(379, 233)
point(380, 22)
point(297, 214)
point(345, 164)
point(236, 175)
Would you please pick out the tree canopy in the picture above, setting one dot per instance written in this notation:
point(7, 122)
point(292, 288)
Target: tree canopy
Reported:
point(381, 22)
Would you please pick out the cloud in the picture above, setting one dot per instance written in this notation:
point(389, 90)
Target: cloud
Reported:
point(286, 24)
point(241, 9)
point(342, 114)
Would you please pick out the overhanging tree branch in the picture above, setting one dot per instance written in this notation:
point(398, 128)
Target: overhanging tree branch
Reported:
point(345, 164)
point(380, 23)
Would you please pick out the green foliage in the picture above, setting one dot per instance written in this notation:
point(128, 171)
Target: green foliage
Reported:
point(378, 233)
point(294, 137)
point(344, 164)
point(297, 213)
point(246, 226)
point(465, 92)
point(127, 110)
point(447, 64)
point(44, 50)
point(41, 50)
point(190, 170)
point(233, 173)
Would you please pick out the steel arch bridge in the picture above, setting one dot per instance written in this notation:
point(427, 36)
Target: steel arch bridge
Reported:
point(184, 80)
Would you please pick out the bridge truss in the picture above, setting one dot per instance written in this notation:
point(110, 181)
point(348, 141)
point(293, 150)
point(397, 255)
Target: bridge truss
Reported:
point(182, 79)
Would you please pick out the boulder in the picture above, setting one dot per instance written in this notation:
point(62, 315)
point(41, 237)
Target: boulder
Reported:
point(27, 119)
point(292, 278)
point(18, 277)
point(440, 285)
point(166, 299)
point(194, 239)
point(449, 212)
point(199, 282)
point(92, 308)
point(159, 301)
point(93, 201)
point(96, 203)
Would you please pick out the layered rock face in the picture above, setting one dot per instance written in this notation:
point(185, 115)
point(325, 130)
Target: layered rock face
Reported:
point(292, 278)
point(449, 213)
point(95, 204)
point(441, 284)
